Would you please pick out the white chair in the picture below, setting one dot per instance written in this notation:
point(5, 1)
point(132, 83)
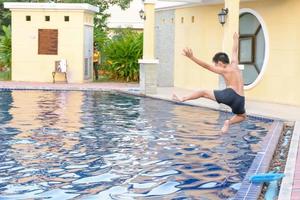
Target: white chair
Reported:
point(60, 67)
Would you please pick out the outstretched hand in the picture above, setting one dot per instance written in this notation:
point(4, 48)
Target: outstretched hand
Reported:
point(188, 52)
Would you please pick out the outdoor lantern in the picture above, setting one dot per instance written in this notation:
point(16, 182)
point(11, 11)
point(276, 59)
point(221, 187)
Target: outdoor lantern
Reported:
point(142, 14)
point(222, 15)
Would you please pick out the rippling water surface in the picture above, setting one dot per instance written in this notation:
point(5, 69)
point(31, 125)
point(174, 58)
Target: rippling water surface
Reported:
point(99, 145)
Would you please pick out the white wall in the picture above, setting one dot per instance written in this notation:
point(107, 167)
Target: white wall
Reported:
point(130, 17)
point(126, 18)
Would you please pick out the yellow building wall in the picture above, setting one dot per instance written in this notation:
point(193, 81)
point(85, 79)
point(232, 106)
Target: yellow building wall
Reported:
point(204, 37)
point(280, 82)
point(148, 42)
point(27, 65)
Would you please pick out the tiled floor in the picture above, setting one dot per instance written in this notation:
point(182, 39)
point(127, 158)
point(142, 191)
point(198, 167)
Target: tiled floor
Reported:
point(295, 194)
point(291, 183)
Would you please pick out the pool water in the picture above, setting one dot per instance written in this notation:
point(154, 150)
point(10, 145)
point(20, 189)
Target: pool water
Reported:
point(103, 145)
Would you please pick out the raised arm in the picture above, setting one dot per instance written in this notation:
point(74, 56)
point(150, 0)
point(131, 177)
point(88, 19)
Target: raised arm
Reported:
point(189, 53)
point(235, 49)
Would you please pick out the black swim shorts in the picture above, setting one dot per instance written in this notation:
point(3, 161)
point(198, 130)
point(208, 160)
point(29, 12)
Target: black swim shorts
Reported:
point(230, 98)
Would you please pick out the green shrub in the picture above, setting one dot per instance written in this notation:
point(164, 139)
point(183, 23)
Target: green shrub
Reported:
point(5, 47)
point(4, 75)
point(122, 53)
point(100, 39)
point(5, 53)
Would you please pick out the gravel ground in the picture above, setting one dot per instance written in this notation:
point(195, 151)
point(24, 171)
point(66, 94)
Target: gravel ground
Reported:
point(281, 153)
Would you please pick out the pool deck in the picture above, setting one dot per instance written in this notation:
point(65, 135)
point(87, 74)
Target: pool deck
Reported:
point(290, 189)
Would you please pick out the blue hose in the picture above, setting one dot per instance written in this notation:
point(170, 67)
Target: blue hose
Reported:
point(266, 177)
point(272, 191)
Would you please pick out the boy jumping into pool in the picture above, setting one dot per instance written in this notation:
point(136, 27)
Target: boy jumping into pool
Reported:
point(233, 95)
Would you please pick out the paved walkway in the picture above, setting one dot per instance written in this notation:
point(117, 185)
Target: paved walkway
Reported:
point(67, 86)
point(290, 189)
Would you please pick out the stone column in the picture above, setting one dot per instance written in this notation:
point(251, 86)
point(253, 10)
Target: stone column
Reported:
point(231, 26)
point(148, 65)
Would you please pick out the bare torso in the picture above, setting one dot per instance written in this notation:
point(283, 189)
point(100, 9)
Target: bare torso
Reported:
point(234, 79)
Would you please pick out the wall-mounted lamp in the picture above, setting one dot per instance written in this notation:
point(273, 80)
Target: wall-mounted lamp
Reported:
point(222, 15)
point(142, 14)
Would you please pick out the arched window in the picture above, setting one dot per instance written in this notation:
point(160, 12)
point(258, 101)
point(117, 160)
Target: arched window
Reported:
point(252, 53)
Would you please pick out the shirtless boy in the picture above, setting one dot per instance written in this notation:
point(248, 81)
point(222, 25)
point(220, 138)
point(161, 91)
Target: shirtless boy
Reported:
point(233, 95)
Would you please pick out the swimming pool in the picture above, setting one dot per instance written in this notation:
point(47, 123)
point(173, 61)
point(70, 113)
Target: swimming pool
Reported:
point(104, 145)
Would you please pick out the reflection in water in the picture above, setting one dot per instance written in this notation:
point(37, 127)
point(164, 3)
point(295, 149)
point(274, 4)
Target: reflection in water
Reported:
point(99, 145)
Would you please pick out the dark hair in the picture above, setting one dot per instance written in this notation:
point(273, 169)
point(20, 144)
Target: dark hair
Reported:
point(221, 57)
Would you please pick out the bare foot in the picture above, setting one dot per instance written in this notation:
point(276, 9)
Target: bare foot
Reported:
point(176, 98)
point(225, 126)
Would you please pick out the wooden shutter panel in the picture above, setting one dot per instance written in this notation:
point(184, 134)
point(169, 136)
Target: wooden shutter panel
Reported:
point(48, 41)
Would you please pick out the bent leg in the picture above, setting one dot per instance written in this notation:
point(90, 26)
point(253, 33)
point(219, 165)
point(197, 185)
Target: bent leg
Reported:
point(235, 119)
point(195, 95)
